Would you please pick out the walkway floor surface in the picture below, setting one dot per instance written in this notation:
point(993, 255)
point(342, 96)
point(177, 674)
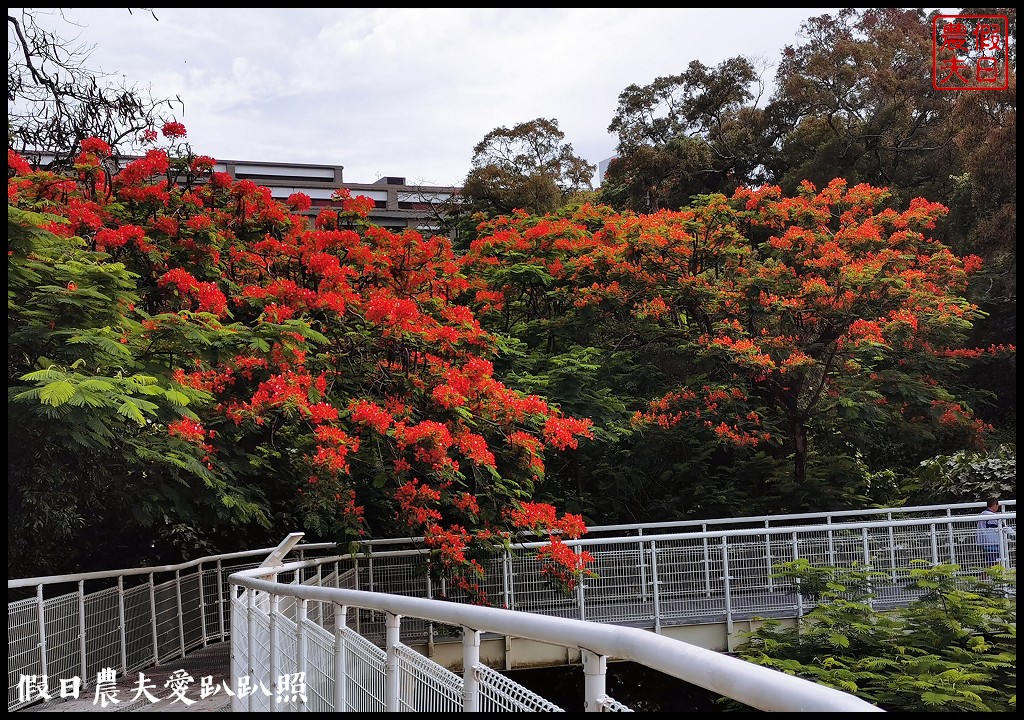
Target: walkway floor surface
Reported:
point(212, 661)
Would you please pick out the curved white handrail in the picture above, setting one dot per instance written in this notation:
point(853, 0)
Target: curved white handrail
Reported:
point(751, 684)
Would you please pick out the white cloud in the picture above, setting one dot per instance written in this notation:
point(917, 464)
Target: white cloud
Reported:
point(410, 91)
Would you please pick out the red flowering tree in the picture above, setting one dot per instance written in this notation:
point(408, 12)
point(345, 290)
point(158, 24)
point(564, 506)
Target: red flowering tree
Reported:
point(327, 371)
point(773, 319)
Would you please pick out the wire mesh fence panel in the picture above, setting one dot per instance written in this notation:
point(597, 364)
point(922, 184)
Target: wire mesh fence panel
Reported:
point(24, 656)
point(402, 575)
point(533, 590)
point(213, 597)
point(492, 584)
point(239, 647)
point(102, 632)
point(620, 590)
point(320, 677)
point(63, 639)
point(192, 618)
point(225, 589)
point(689, 577)
point(168, 635)
point(425, 686)
point(500, 694)
point(138, 627)
point(260, 678)
point(363, 674)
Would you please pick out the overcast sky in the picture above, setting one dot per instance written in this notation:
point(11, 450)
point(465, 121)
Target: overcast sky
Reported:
point(405, 91)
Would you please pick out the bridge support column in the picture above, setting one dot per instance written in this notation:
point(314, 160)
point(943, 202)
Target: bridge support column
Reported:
point(594, 676)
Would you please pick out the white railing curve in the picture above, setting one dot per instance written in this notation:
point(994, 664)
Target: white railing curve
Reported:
point(656, 576)
point(273, 630)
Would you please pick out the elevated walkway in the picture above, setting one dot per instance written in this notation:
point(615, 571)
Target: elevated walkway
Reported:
point(696, 586)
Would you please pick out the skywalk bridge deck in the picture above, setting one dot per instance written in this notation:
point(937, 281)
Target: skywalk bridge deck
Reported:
point(702, 582)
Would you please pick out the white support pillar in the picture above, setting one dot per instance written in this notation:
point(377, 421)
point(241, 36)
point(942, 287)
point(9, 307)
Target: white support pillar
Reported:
point(391, 669)
point(594, 675)
point(470, 658)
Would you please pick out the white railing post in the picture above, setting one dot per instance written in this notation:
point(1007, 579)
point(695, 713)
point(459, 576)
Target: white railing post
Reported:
point(202, 603)
point(81, 625)
point(892, 548)
point(470, 659)
point(152, 604)
point(340, 661)
point(355, 576)
point(301, 652)
point(643, 564)
point(391, 669)
point(594, 674)
point(799, 595)
point(41, 617)
point(952, 542)
point(655, 590)
point(727, 586)
point(768, 557)
point(250, 638)
point(221, 599)
point(579, 585)
point(273, 660)
point(707, 561)
point(120, 624)
point(181, 615)
point(831, 543)
point(935, 544)
point(1004, 545)
point(506, 579)
point(867, 565)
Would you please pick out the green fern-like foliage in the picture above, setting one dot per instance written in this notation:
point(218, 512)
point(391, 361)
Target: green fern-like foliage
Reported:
point(89, 402)
point(952, 650)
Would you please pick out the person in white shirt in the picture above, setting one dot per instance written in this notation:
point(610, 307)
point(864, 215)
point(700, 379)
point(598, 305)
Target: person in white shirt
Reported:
point(989, 529)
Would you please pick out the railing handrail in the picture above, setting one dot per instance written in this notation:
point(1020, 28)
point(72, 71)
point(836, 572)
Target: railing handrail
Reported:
point(753, 685)
point(316, 547)
point(793, 516)
point(152, 569)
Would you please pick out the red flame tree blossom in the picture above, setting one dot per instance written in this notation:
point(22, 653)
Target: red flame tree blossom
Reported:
point(827, 311)
point(343, 382)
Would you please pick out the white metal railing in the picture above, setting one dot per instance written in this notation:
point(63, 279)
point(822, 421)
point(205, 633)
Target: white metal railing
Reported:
point(76, 625)
point(268, 645)
point(127, 620)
